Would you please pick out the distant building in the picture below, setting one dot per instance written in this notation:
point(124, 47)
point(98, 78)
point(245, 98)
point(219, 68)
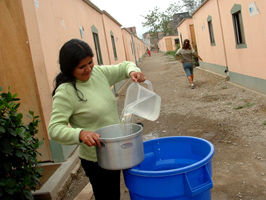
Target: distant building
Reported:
point(230, 38)
point(132, 30)
point(147, 39)
point(177, 18)
point(153, 42)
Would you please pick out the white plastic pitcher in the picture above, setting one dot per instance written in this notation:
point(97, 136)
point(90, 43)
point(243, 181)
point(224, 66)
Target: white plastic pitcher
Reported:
point(142, 102)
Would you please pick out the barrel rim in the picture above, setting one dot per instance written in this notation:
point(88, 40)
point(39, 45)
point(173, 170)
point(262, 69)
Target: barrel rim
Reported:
point(177, 171)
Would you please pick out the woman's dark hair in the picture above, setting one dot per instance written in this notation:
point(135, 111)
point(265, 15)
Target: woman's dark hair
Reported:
point(186, 44)
point(70, 55)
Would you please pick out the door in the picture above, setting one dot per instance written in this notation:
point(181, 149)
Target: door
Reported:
point(169, 44)
point(193, 37)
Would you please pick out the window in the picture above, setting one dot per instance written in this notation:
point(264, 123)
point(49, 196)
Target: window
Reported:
point(97, 45)
point(113, 44)
point(238, 26)
point(209, 20)
point(97, 48)
point(81, 30)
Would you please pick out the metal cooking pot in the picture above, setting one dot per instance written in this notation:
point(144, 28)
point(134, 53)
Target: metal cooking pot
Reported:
point(122, 146)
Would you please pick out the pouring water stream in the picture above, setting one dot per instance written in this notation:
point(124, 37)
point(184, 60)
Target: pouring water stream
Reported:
point(141, 102)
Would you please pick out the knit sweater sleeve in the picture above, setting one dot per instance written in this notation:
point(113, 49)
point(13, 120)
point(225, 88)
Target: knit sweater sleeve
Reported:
point(59, 128)
point(116, 73)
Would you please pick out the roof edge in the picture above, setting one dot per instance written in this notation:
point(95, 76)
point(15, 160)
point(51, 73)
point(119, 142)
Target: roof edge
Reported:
point(131, 33)
point(202, 4)
point(93, 6)
point(184, 19)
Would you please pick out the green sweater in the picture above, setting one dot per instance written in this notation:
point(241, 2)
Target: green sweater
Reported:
point(70, 115)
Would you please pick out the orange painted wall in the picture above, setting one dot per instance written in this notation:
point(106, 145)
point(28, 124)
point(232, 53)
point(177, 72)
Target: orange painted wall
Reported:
point(140, 48)
point(210, 54)
point(248, 61)
point(251, 60)
point(112, 26)
point(128, 44)
point(183, 29)
point(58, 24)
point(17, 70)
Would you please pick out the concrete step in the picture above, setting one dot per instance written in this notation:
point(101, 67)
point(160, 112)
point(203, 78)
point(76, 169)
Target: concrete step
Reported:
point(56, 184)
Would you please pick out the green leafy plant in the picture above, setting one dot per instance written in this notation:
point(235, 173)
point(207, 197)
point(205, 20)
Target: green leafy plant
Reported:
point(247, 105)
point(264, 123)
point(171, 53)
point(18, 150)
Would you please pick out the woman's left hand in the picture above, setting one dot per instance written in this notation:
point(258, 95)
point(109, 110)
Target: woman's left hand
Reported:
point(137, 76)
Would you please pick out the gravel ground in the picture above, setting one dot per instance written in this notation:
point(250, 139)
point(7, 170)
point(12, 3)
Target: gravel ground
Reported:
point(233, 118)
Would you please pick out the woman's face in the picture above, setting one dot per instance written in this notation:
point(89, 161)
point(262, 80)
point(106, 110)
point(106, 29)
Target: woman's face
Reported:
point(83, 71)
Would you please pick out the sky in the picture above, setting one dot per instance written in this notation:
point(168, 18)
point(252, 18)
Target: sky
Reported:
point(129, 12)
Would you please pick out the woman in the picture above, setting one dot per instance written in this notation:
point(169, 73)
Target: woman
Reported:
point(185, 55)
point(83, 99)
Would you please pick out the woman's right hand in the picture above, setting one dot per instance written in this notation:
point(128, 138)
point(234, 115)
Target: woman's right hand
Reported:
point(90, 138)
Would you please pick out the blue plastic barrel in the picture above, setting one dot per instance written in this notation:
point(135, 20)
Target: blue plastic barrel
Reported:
point(174, 168)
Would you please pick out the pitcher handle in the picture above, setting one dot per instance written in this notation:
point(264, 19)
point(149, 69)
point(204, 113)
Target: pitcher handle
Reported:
point(149, 84)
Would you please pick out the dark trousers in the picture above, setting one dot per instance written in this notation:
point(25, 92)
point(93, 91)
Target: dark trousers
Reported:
point(105, 183)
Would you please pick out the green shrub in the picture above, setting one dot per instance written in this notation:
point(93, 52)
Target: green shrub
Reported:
point(247, 105)
point(18, 150)
point(171, 53)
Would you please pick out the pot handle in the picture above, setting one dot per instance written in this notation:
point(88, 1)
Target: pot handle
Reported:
point(103, 145)
point(126, 145)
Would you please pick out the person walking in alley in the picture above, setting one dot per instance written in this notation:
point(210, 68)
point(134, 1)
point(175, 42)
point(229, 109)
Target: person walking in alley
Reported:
point(185, 55)
point(82, 98)
point(148, 51)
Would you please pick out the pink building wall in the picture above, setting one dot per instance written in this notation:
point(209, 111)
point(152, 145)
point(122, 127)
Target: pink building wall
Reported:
point(17, 72)
point(161, 45)
point(210, 54)
point(245, 62)
point(183, 30)
point(251, 60)
point(112, 26)
point(128, 43)
point(58, 24)
point(140, 48)
point(248, 61)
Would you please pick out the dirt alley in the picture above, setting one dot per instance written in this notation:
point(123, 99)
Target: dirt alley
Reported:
point(231, 117)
